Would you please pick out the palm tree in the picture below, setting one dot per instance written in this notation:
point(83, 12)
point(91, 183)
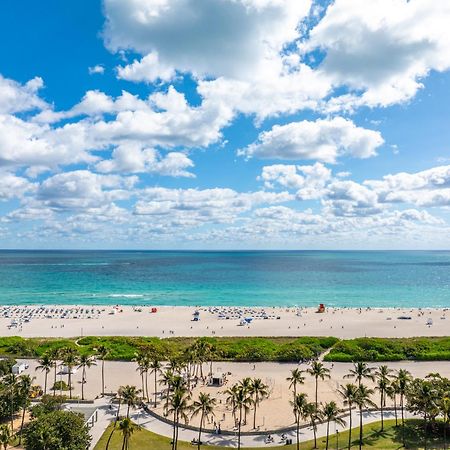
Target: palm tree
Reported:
point(179, 407)
point(102, 353)
point(299, 405)
point(54, 355)
point(45, 365)
point(155, 367)
point(330, 412)
point(246, 384)
point(360, 371)
point(259, 391)
point(444, 406)
point(70, 359)
point(402, 381)
point(318, 370)
point(119, 396)
point(86, 361)
point(204, 406)
point(295, 379)
point(166, 380)
point(10, 383)
point(363, 400)
point(314, 415)
point(127, 427)
point(242, 400)
point(23, 392)
point(231, 397)
point(5, 435)
point(130, 396)
point(383, 386)
point(348, 394)
point(141, 360)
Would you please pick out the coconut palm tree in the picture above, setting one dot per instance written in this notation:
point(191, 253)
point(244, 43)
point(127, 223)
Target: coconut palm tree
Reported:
point(231, 397)
point(179, 407)
point(54, 355)
point(130, 396)
point(361, 371)
point(259, 391)
point(330, 413)
point(402, 381)
point(382, 387)
point(363, 400)
point(246, 384)
point(204, 406)
point(86, 361)
point(127, 427)
point(45, 364)
point(155, 367)
point(10, 383)
point(318, 370)
point(120, 398)
point(299, 406)
point(102, 353)
point(314, 415)
point(295, 379)
point(141, 359)
point(24, 387)
point(70, 358)
point(5, 436)
point(242, 403)
point(348, 394)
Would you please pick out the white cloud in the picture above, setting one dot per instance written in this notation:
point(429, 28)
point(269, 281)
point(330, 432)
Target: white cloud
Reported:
point(324, 140)
point(132, 158)
point(148, 69)
point(12, 186)
point(309, 181)
point(16, 97)
point(382, 47)
point(98, 69)
point(233, 38)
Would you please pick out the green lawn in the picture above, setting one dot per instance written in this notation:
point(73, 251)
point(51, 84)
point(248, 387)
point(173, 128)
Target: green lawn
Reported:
point(389, 439)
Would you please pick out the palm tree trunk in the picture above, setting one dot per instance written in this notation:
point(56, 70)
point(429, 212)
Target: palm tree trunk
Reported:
point(317, 385)
point(155, 388)
point(128, 411)
point(174, 429)
point(114, 427)
point(239, 428)
point(54, 381)
point(45, 382)
point(298, 434)
point(295, 395)
point(381, 409)
point(70, 382)
point(395, 410)
point(254, 412)
point(146, 384)
point(103, 377)
point(315, 435)
point(177, 428)
point(123, 443)
point(328, 434)
point(21, 424)
point(360, 427)
point(350, 427)
point(83, 375)
point(403, 420)
point(200, 430)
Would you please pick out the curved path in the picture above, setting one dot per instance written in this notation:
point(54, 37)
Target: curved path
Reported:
point(151, 423)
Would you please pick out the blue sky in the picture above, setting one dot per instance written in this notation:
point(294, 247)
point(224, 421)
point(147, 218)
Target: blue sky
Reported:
point(227, 124)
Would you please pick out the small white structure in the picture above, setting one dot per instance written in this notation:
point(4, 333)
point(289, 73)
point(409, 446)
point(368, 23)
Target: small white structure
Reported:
point(65, 370)
point(19, 367)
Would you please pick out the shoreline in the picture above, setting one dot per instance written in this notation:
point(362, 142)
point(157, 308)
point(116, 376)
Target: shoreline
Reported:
point(224, 321)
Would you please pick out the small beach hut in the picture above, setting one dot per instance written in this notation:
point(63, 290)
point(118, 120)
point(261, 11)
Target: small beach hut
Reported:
point(217, 380)
point(18, 368)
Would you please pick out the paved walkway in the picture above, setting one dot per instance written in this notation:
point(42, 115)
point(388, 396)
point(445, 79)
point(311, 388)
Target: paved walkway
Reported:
point(106, 415)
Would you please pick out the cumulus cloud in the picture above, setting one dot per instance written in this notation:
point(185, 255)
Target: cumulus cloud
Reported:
point(132, 158)
point(12, 186)
point(324, 140)
point(98, 69)
point(16, 97)
point(222, 38)
point(309, 181)
point(148, 69)
point(382, 48)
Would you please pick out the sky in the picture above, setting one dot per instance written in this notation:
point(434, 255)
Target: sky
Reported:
point(226, 124)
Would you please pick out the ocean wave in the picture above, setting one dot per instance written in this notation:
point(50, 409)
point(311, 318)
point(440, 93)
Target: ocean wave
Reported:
point(125, 295)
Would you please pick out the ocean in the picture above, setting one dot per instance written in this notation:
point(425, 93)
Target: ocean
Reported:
point(269, 278)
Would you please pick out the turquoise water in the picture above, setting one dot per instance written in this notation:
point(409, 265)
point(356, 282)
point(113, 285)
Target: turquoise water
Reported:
point(390, 279)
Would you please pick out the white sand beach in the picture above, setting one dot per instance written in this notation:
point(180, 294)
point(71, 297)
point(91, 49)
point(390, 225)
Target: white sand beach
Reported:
point(71, 321)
